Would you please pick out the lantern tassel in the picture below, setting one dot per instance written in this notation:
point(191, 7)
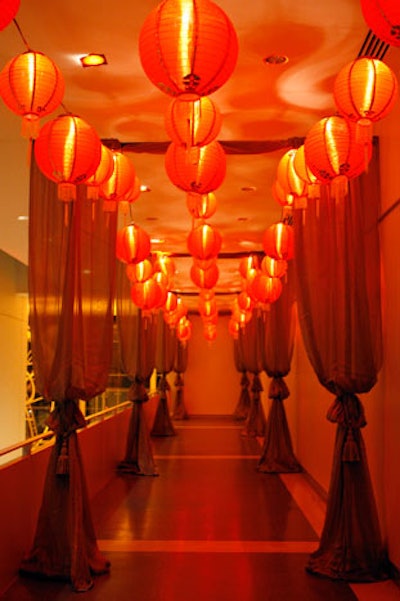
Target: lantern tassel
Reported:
point(30, 127)
point(66, 191)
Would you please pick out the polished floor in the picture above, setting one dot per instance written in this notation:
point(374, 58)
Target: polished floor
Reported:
point(208, 528)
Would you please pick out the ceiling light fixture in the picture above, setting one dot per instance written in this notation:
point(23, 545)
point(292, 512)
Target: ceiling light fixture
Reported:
point(144, 188)
point(93, 60)
point(276, 59)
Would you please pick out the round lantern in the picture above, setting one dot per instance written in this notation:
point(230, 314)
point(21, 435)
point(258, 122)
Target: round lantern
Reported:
point(200, 170)
point(383, 18)
point(248, 263)
point(287, 177)
point(8, 11)
point(305, 173)
point(275, 268)
point(183, 329)
point(32, 86)
point(233, 328)
point(245, 302)
point(130, 197)
point(162, 288)
point(172, 317)
point(204, 242)
point(133, 244)
point(165, 264)
point(201, 206)
point(207, 307)
point(68, 152)
point(332, 150)
point(145, 295)
point(171, 302)
point(265, 289)
point(102, 173)
point(242, 317)
point(278, 241)
point(188, 46)
point(210, 331)
point(121, 181)
point(365, 91)
point(281, 196)
point(192, 122)
point(139, 272)
point(204, 278)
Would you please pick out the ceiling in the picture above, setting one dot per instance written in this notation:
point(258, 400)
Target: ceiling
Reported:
point(259, 102)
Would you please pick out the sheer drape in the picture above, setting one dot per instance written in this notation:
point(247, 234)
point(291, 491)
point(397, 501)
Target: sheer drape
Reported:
point(71, 290)
point(137, 335)
point(165, 356)
point(277, 342)
point(338, 291)
point(180, 365)
point(249, 342)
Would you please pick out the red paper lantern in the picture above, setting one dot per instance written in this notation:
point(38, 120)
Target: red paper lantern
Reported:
point(265, 289)
point(192, 122)
point(121, 181)
point(204, 242)
point(172, 317)
point(102, 173)
point(383, 18)
point(188, 46)
point(68, 152)
point(305, 173)
point(275, 268)
point(133, 244)
point(207, 307)
point(32, 86)
point(210, 331)
point(332, 150)
point(242, 317)
point(159, 279)
point(8, 11)
point(278, 241)
point(233, 328)
point(245, 302)
point(287, 177)
point(204, 278)
point(201, 206)
point(165, 264)
point(281, 196)
point(130, 197)
point(183, 329)
point(139, 272)
point(145, 295)
point(365, 91)
point(171, 302)
point(248, 263)
point(200, 170)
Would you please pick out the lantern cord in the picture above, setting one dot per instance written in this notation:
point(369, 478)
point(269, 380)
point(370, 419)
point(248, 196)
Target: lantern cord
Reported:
point(21, 34)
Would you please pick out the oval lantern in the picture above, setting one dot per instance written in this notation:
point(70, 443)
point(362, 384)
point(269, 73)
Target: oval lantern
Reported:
point(207, 307)
point(145, 295)
point(192, 122)
point(188, 46)
point(160, 280)
point(305, 173)
point(383, 18)
point(287, 177)
point(201, 206)
point(204, 278)
point(171, 302)
point(32, 86)
point(172, 317)
point(265, 289)
point(139, 272)
point(8, 11)
point(130, 197)
point(281, 196)
point(248, 263)
point(275, 268)
point(120, 182)
point(242, 317)
point(204, 242)
point(183, 329)
point(233, 328)
point(102, 173)
point(165, 264)
point(132, 244)
point(365, 91)
point(200, 170)
point(68, 152)
point(278, 241)
point(245, 302)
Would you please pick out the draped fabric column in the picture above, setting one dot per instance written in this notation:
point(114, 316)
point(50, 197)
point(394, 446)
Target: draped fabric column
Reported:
point(249, 345)
point(165, 356)
point(242, 408)
point(181, 361)
point(71, 290)
point(137, 334)
point(277, 341)
point(338, 291)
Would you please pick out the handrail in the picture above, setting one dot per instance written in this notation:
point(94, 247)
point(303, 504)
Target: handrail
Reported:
point(30, 441)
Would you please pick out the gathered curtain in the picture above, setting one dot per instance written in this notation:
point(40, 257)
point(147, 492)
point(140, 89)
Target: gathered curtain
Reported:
point(165, 357)
point(242, 408)
point(277, 343)
point(137, 335)
point(180, 365)
point(338, 291)
point(71, 291)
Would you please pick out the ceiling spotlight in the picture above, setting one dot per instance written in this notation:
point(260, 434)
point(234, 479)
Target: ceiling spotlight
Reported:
point(144, 188)
point(276, 59)
point(248, 188)
point(93, 60)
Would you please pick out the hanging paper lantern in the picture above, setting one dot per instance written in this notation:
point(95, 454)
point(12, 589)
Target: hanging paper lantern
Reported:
point(248, 263)
point(119, 183)
point(201, 206)
point(287, 177)
point(200, 170)
point(165, 264)
point(130, 197)
point(162, 287)
point(183, 329)
point(188, 46)
point(133, 244)
point(305, 173)
point(242, 317)
point(204, 278)
point(68, 152)
point(192, 122)
point(281, 196)
point(265, 289)
point(171, 302)
point(102, 173)
point(172, 317)
point(210, 331)
point(145, 295)
point(233, 328)
point(32, 86)
point(383, 18)
point(204, 242)
point(332, 151)
point(278, 241)
point(365, 91)
point(275, 268)
point(139, 272)
point(8, 11)
point(245, 302)
point(207, 307)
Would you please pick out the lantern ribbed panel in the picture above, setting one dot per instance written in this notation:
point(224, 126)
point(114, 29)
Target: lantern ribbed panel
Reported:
point(192, 122)
point(275, 268)
point(287, 177)
point(8, 11)
point(265, 289)
point(281, 196)
point(245, 302)
point(331, 149)
point(204, 242)
point(301, 168)
point(171, 302)
point(121, 180)
point(278, 241)
point(365, 89)
point(31, 85)
point(188, 46)
point(102, 173)
point(201, 206)
point(132, 244)
point(248, 263)
point(200, 170)
point(145, 295)
point(207, 307)
point(383, 18)
point(204, 278)
point(139, 272)
point(68, 150)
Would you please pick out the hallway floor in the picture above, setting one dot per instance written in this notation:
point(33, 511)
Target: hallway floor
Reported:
point(208, 528)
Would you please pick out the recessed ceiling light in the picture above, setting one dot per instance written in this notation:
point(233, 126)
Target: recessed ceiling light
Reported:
point(93, 60)
point(144, 188)
point(157, 241)
point(151, 218)
point(242, 219)
point(23, 218)
point(276, 59)
point(248, 188)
